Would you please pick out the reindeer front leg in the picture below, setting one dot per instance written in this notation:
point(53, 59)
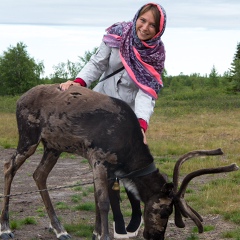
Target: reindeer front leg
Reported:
point(40, 175)
point(10, 169)
point(9, 173)
point(101, 199)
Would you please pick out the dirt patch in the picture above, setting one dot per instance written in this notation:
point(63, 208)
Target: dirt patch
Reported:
point(70, 171)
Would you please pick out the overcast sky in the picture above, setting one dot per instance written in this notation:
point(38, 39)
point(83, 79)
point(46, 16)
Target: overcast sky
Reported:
point(199, 33)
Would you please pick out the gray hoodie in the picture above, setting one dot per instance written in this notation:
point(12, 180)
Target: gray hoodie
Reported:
point(106, 61)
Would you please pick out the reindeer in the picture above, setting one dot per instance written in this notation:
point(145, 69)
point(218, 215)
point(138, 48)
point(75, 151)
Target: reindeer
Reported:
point(105, 131)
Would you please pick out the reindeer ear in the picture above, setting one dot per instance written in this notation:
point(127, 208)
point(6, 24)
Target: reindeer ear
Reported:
point(167, 188)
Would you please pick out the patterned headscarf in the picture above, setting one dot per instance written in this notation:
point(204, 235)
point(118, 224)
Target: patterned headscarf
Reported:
point(143, 60)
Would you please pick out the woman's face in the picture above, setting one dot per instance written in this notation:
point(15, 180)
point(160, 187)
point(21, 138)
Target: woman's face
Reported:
point(145, 26)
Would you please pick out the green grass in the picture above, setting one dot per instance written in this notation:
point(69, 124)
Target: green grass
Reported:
point(17, 224)
point(29, 221)
point(232, 234)
point(78, 188)
point(82, 229)
point(206, 228)
point(88, 206)
point(233, 216)
point(192, 237)
point(62, 205)
point(8, 104)
point(8, 130)
point(76, 198)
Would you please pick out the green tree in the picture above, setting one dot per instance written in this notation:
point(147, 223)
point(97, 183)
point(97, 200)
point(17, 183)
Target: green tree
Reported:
point(69, 70)
point(64, 71)
point(176, 84)
point(224, 80)
point(87, 55)
point(235, 78)
point(213, 78)
point(164, 75)
point(235, 72)
point(196, 81)
point(18, 71)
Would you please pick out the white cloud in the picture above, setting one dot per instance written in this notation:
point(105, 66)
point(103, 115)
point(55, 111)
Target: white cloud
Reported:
point(197, 50)
point(199, 33)
point(217, 14)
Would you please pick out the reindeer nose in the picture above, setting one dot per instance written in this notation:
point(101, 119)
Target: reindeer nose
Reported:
point(156, 236)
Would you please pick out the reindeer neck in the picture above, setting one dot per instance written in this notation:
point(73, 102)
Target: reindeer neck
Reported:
point(149, 185)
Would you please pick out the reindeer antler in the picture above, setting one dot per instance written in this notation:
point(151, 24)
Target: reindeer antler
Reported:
point(187, 156)
point(181, 207)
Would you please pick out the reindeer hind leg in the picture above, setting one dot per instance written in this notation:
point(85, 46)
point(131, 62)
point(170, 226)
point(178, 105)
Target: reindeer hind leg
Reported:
point(40, 175)
point(28, 142)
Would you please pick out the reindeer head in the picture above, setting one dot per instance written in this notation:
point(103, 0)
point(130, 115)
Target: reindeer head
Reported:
point(160, 207)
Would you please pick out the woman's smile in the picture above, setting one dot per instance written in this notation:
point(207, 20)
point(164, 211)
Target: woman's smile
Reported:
point(145, 26)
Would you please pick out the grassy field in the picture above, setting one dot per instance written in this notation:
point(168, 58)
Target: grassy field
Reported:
point(209, 120)
point(182, 122)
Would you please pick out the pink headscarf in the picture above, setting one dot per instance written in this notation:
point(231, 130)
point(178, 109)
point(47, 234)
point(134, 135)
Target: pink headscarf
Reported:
point(143, 60)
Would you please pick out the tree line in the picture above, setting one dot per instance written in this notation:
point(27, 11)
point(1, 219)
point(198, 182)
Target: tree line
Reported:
point(19, 72)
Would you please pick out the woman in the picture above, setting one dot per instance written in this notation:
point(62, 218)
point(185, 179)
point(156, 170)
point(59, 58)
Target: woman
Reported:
point(129, 63)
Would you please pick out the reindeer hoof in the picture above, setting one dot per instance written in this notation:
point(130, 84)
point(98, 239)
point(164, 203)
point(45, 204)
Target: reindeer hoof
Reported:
point(64, 237)
point(95, 236)
point(6, 236)
point(119, 235)
point(134, 233)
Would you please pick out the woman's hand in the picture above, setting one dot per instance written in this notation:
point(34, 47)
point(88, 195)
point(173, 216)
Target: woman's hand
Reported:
point(144, 137)
point(64, 86)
